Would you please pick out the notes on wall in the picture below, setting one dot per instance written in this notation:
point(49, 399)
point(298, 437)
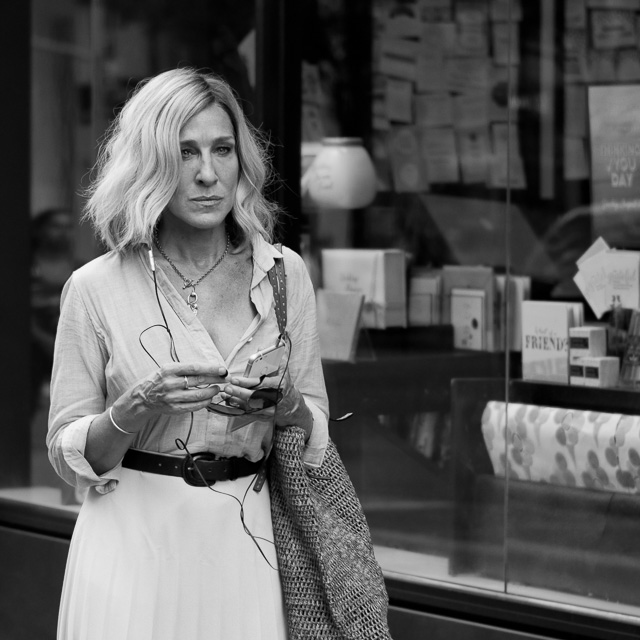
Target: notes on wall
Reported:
point(441, 73)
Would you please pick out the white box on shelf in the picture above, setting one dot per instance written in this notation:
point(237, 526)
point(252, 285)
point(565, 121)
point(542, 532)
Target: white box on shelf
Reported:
point(587, 341)
point(379, 274)
point(476, 278)
point(576, 374)
point(425, 298)
point(468, 318)
point(601, 372)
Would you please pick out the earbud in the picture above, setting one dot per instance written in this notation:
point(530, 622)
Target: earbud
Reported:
point(152, 262)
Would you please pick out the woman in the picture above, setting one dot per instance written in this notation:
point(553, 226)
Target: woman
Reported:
point(153, 334)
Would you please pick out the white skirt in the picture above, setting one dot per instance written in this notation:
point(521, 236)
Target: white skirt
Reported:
point(157, 559)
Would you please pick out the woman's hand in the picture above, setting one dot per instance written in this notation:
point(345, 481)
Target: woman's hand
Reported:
point(290, 410)
point(174, 389)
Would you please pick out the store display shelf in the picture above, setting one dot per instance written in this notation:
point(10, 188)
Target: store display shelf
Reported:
point(575, 397)
point(543, 536)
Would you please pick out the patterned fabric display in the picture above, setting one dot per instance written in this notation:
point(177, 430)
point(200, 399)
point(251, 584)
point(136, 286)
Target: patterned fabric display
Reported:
point(567, 447)
point(627, 448)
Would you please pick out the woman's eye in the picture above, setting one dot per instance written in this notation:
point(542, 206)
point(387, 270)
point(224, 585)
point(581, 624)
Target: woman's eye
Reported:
point(186, 153)
point(224, 150)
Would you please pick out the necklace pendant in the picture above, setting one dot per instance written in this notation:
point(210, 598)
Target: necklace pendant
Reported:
point(192, 298)
point(192, 301)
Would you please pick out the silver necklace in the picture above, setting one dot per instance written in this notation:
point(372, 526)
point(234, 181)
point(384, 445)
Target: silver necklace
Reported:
point(192, 299)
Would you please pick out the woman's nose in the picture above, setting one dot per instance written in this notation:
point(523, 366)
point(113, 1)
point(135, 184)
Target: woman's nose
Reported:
point(207, 173)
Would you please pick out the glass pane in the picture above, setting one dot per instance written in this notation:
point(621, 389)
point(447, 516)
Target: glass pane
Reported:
point(434, 115)
point(504, 142)
point(571, 443)
point(87, 58)
point(61, 152)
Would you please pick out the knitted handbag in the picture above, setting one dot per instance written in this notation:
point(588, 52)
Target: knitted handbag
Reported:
point(333, 586)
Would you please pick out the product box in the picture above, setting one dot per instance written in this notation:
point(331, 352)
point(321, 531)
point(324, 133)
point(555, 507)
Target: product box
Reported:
point(425, 298)
point(470, 277)
point(378, 274)
point(587, 341)
point(468, 318)
point(576, 374)
point(601, 372)
point(545, 339)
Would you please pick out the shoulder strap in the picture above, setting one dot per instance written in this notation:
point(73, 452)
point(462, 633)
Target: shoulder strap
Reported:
point(277, 278)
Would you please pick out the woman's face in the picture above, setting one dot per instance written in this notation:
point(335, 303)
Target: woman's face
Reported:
point(209, 170)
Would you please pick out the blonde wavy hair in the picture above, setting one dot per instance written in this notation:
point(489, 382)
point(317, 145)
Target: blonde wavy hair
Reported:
point(138, 165)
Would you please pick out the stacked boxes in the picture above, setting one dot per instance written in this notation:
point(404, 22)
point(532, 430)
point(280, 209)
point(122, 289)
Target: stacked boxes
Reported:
point(589, 364)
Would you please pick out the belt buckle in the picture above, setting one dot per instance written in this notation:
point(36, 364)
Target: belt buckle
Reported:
point(189, 472)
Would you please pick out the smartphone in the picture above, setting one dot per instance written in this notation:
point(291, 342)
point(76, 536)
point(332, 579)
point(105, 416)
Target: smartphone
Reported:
point(265, 362)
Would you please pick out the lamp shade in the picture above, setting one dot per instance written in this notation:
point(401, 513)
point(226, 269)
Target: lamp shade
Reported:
point(342, 176)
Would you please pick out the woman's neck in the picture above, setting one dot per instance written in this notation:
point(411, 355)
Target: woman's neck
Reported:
point(190, 245)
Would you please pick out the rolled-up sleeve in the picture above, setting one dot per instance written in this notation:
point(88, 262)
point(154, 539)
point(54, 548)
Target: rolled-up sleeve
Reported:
point(67, 457)
point(313, 454)
point(305, 364)
point(77, 393)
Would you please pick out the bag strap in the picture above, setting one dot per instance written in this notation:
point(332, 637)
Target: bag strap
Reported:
point(278, 280)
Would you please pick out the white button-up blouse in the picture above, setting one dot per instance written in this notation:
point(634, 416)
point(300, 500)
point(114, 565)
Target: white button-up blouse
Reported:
point(110, 315)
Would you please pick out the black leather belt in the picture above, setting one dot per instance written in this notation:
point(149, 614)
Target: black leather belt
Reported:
point(209, 468)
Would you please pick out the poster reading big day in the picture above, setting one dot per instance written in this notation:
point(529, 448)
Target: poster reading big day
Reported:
point(615, 147)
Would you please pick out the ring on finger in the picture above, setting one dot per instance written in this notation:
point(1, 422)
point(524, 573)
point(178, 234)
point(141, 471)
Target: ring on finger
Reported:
point(186, 382)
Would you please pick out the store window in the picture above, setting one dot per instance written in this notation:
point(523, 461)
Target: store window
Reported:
point(504, 144)
point(504, 139)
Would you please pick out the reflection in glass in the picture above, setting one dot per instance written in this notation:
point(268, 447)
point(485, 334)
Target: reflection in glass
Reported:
point(476, 115)
point(87, 57)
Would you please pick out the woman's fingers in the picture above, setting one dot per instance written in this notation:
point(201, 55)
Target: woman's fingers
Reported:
point(169, 392)
point(255, 395)
point(179, 375)
point(193, 369)
point(198, 382)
